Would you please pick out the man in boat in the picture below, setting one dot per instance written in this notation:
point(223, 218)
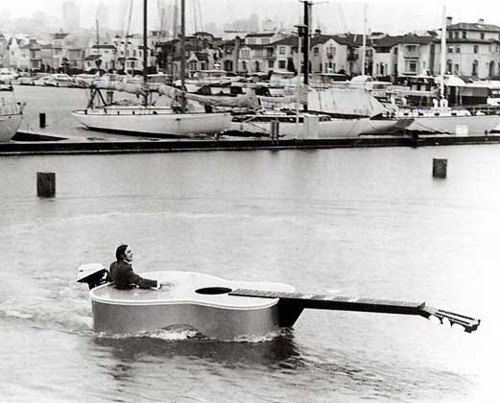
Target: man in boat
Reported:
point(122, 274)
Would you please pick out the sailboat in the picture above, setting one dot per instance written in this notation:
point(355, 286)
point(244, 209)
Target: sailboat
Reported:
point(148, 119)
point(322, 105)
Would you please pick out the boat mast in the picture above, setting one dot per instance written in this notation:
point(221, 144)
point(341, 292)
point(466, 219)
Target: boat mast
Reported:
point(183, 54)
point(307, 8)
point(443, 54)
point(363, 55)
point(145, 52)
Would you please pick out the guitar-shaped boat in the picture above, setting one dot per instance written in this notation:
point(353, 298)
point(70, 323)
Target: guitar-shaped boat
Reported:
point(227, 310)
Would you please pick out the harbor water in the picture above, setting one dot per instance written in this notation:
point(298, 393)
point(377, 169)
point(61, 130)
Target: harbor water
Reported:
point(353, 222)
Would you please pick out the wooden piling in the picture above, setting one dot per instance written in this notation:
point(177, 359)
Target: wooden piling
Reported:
point(275, 130)
point(42, 120)
point(46, 184)
point(439, 168)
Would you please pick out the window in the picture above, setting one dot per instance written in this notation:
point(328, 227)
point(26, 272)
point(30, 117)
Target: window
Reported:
point(476, 48)
point(475, 64)
point(457, 49)
point(456, 34)
point(482, 35)
point(464, 34)
point(316, 50)
point(270, 64)
point(265, 41)
point(450, 49)
point(282, 64)
point(456, 70)
point(282, 50)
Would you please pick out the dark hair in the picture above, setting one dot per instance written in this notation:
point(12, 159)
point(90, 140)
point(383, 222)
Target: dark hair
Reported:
point(120, 251)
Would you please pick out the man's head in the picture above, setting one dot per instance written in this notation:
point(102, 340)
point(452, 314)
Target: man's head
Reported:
point(123, 252)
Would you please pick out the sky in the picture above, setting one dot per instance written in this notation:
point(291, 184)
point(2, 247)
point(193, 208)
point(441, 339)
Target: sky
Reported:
point(389, 16)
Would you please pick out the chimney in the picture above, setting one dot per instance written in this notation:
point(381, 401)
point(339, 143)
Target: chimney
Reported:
point(480, 21)
point(449, 21)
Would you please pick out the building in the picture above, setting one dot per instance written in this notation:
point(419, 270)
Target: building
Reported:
point(473, 49)
point(3, 51)
point(102, 56)
point(203, 52)
point(404, 55)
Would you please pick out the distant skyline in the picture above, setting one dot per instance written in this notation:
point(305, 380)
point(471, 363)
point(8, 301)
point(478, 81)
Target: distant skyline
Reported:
point(389, 16)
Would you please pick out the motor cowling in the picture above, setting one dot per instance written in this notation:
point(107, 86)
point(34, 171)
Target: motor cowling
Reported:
point(93, 274)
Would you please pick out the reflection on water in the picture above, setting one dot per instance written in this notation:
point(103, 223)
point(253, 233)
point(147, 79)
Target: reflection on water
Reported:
point(270, 352)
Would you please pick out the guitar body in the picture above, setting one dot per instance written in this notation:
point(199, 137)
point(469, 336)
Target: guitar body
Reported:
point(198, 301)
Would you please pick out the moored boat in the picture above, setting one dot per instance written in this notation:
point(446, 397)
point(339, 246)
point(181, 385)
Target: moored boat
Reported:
point(294, 125)
point(150, 120)
point(10, 120)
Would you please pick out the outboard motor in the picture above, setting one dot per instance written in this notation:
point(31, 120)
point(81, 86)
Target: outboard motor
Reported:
point(94, 274)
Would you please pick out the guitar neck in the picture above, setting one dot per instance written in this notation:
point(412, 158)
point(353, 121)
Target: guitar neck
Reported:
point(293, 303)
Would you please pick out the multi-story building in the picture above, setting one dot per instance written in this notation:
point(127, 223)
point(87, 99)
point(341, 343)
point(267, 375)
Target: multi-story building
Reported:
point(36, 57)
point(203, 52)
point(129, 56)
point(3, 50)
point(257, 52)
point(408, 55)
point(473, 49)
point(101, 56)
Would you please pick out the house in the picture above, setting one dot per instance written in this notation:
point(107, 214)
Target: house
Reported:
point(285, 55)
point(36, 57)
point(328, 54)
point(3, 51)
point(202, 53)
point(473, 49)
point(407, 55)
point(129, 51)
point(101, 56)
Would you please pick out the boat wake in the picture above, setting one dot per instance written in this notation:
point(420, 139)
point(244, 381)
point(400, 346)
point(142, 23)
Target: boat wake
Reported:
point(180, 333)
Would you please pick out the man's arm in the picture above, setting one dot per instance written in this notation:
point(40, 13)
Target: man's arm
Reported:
point(140, 281)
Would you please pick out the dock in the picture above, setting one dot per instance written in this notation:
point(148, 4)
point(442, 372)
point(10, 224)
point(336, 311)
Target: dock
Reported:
point(32, 143)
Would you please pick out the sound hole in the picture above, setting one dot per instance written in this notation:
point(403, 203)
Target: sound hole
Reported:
point(213, 290)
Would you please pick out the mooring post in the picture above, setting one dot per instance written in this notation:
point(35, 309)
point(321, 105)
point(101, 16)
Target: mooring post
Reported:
point(42, 120)
point(275, 130)
point(109, 97)
point(439, 168)
point(311, 127)
point(46, 184)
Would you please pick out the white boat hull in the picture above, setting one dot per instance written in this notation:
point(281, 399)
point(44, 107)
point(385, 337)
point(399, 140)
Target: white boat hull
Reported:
point(460, 125)
point(217, 315)
point(331, 129)
point(159, 122)
point(9, 125)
